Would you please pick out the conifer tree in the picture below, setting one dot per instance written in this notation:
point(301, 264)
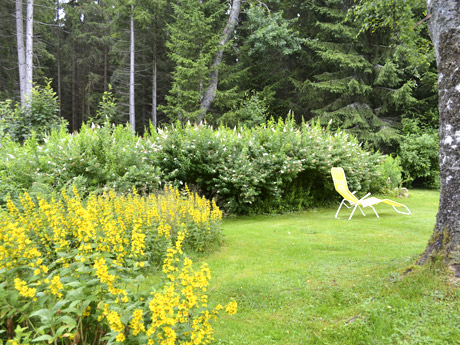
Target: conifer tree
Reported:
point(360, 80)
point(193, 42)
point(338, 92)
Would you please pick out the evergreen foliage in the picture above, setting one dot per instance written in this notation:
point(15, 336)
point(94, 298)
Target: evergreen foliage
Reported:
point(192, 44)
point(419, 154)
point(37, 120)
point(363, 67)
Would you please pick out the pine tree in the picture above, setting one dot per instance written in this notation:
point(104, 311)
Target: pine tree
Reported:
point(269, 45)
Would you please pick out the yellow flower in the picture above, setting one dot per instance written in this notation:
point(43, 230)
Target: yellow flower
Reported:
point(25, 291)
point(55, 286)
point(137, 322)
point(120, 337)
point(231, 308)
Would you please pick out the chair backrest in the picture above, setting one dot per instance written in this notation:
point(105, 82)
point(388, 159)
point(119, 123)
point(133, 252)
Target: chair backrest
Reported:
point(341, 186)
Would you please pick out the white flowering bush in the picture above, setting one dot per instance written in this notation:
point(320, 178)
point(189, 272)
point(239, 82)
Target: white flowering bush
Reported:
point(271, 168)
point(274, 167)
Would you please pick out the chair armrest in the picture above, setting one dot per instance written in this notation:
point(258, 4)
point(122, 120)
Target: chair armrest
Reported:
point(364, 197)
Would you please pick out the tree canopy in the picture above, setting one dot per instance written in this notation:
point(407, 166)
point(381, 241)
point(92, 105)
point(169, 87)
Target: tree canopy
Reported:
point(363, 66)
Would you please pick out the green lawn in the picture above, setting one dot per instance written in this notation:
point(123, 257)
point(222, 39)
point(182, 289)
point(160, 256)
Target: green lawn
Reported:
point(307, 278)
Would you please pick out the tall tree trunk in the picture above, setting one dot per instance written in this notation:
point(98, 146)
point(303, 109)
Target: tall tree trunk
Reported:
point(21, 51)
point(210, 93)
point(154, 93)
point(106, 68)
point(74, 91)
point(58, 56)
point(29, 50)
point(132, 116)
point(154, 80)
point(445, 33)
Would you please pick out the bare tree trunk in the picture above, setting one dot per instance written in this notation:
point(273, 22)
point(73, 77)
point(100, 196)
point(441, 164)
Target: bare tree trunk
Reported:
point(21, 51)
point(58, 57)
point(210, 93)
point(154, 93)
point(106, 73)
point(154, 80)
point(444, 27)
point(132, 116)
point(29, 50)
point(74, 92)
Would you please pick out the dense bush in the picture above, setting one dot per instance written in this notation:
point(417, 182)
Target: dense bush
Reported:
point(94, 160)
point(73, 274)
point(37, 119)
point(419, 153)
point(275, 167)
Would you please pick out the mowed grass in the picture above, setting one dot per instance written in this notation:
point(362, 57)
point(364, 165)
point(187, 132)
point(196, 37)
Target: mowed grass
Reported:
point(307, 278)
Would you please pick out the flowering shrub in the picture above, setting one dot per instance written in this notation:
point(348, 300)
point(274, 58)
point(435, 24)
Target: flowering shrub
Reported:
point(278, 166)
point(274, 167)
point(73, 274)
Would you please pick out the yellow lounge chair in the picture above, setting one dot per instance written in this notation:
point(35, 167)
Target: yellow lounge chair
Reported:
point(341, 186)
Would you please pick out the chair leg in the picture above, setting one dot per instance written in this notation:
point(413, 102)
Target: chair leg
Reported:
point(362, 211)
point(339, 208)
point(374, 211)
point(354, 209)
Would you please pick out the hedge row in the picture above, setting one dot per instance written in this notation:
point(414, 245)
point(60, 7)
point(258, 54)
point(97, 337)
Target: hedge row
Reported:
point(275, 167)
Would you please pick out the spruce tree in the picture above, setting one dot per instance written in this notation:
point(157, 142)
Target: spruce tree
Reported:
point(338, 92)
point(361, 81)
point(192, 44)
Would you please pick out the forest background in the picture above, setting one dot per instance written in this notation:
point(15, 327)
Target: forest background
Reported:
point(367, 67)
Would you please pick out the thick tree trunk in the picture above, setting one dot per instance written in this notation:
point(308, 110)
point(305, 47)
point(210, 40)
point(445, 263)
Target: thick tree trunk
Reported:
point(444, 27)
point(210, 93)
point(21, 51)
point(29, 50)
point(132, 116)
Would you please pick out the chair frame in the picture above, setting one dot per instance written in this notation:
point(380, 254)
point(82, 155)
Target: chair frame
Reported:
point(362, 202)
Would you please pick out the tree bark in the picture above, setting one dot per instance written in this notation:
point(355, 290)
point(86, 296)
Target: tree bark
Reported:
point(75, 89)
point(58, 56)
point(210, 93)
point(444, 27)
point(29, 51)
point(132, 116)
point(21, 51)
point(154, 93)
point(154, 77)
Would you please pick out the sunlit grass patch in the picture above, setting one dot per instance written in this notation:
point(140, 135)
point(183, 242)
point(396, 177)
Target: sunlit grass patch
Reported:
point(307, 278)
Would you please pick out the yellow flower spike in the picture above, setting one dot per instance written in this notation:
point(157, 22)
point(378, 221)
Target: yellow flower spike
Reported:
point(231, 308)
point(24, 291)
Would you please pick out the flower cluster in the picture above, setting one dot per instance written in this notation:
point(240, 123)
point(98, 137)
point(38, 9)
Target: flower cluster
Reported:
point(23, 289)
point(80, 265)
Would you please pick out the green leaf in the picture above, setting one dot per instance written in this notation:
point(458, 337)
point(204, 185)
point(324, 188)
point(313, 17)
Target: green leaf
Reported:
point(44, 337)
point(68, 320)
point(60, 304)
point(44, 314)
